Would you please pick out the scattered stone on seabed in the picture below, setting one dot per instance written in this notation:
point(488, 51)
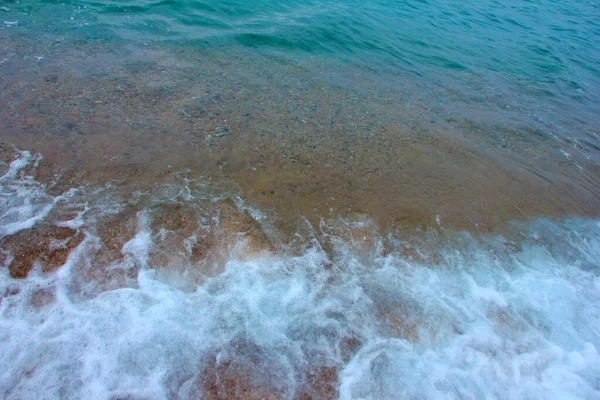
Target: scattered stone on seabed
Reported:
point(234, 224)
point(243, 370)
point(118, 229)
point(180, 241)
point(196, 243)
point(175, 234)
point(174, 217)
point(104, 269)
point(47, 244)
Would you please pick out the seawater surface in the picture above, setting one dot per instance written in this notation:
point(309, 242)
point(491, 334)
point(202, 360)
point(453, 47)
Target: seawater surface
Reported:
point(299, 199)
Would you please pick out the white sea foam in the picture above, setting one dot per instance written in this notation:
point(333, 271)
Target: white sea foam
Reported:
point(531, 333)
point(489, 319)
point(24, 200)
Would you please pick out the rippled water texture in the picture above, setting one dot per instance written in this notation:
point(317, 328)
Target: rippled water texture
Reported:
point(541, 48)
point(299, 199)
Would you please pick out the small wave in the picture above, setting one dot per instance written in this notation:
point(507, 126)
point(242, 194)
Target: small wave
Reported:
point(182, 290)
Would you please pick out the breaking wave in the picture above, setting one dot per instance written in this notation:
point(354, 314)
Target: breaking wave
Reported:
point(181, 290)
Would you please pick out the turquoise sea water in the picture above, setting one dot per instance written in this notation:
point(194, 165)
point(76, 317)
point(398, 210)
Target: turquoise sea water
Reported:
point(549, 46)
point(535, 42)
point(315, 246)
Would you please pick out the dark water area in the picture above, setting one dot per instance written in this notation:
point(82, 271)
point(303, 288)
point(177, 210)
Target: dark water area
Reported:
point(299, 199)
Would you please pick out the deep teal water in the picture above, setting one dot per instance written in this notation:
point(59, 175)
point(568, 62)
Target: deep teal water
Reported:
point(535, 41)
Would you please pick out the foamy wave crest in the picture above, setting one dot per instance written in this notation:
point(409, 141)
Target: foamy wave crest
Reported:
point(524, 325)
point(178, 292)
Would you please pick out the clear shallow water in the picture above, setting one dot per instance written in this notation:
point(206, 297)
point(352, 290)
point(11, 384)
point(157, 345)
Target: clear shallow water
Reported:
point(541, 55)
point(264, 269)
point(497, 65)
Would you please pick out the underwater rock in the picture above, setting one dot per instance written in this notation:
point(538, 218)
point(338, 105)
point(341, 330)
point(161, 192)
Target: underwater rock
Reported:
point(47, 244)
